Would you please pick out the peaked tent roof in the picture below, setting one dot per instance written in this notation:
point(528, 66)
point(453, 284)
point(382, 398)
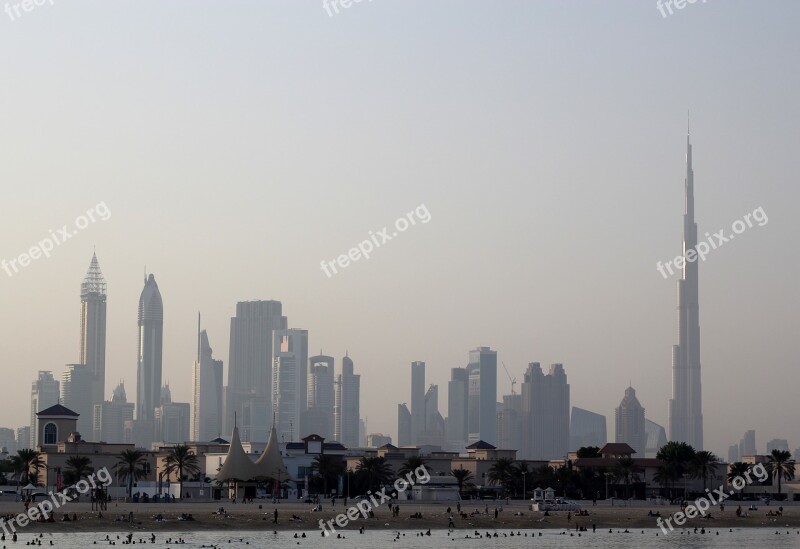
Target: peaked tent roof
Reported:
point(270, 463)
point(237, 465)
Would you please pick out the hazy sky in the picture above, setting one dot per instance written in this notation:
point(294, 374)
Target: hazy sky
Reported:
point(237, 144)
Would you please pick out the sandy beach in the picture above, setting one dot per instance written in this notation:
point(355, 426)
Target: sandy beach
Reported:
point(434, 516)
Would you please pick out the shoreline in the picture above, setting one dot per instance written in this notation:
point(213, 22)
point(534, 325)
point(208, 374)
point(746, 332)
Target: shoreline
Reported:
point(434, 517)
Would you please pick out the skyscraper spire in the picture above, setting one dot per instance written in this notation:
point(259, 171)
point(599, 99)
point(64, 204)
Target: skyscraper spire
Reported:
point(93, 328)
point(685, 407)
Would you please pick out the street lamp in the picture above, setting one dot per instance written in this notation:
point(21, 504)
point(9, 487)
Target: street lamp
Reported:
point(607, 475)
point(523, 485)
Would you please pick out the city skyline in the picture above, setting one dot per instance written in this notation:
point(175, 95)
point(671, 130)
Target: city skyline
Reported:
point(290, 140)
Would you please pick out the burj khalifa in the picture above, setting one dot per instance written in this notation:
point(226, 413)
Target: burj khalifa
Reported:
point(685, 406)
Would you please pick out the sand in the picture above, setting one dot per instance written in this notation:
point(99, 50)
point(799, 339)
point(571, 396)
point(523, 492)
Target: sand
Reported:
point(250, 517)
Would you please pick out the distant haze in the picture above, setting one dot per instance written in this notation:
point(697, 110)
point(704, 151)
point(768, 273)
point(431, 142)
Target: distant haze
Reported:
point(239, 144)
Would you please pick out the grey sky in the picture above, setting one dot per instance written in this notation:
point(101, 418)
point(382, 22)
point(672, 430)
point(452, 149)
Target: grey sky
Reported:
point(238, 144)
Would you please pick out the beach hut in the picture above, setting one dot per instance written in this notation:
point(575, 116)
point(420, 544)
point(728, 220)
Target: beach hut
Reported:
point(538, 494)
point(549, 494)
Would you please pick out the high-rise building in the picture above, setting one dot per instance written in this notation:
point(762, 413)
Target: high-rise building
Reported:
point(376, 440)
point(110, 417)
point(433, 428)
point(347, 405)
point(171, 419)
point(289, 381)
point(207, 391)
point(44, 393)
point(777, 444)
point(403, 425)
point(545, 413)
point(417, 400)
point(457, 400)
point(248, 394)
point(23, 437)
point(318, 418)
point(148, 371)
point(482, 396)
point(93, 330)
point(629, 422)
point(8, 440)
point(686, 406)
point(586, 429)
point(733, 453)
point(656, 438)
point(77, 385)
point(747, 446)
point(509, 422)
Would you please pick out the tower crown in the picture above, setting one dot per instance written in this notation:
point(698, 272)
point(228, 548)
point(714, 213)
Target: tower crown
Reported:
point(93, 282)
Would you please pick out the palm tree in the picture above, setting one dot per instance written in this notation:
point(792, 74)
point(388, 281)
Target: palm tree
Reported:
point(130, 466)
point(737, 469)
point(411, 465)
point(626, 471)
point(77, 467)
point(29, 462)
point(502, 472)
point(780, 466)
point(704, 465)
point(375, 470)
point(181, 459)
point(677, 457)
point(328, 467)
point(462, 476)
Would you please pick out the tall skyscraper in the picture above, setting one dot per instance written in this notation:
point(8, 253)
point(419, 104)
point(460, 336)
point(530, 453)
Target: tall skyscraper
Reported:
point(318, 418)
point(747, 446)
point(289, 381)
point(110, 417)
point(482, 396)
point(629, 422)
point(733, 453)
point(686, 406)
point(417, 400)
point(44, 393)
point(433, 429)
point(77, 384)
point(457, 399)
point(586, 429)
point(151, 338)
point(509, 422)
point(249, 390)
point(93, 329)
point(347, 405)
point(403, 425)
point(171, 419)
point(545, 413)
point(207, 391)
point(656, 438)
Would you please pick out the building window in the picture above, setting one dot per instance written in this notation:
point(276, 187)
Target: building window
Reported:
point(50, 433)
point(146, 467)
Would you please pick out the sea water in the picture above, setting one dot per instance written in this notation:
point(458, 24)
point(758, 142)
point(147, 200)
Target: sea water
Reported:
point(439, 539)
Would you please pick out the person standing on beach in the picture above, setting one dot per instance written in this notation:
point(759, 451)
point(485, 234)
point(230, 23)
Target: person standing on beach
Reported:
point(275, 520)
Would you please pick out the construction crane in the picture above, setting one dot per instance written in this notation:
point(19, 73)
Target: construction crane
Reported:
point(513, 381)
